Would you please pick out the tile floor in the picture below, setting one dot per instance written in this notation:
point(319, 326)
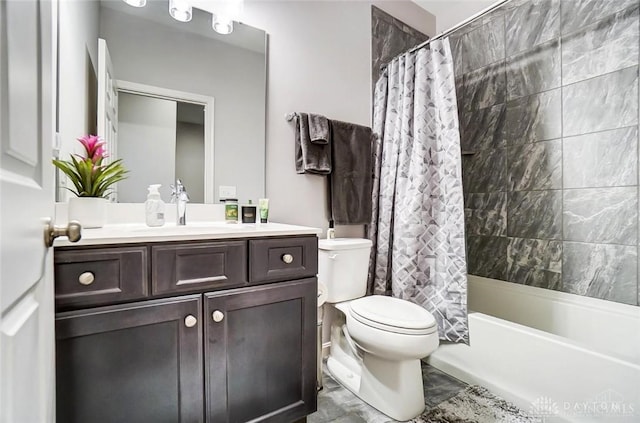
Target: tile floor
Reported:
point(338, 405)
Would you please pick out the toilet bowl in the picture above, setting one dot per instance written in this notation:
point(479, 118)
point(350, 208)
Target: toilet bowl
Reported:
point(376, 341)
point(391, 328)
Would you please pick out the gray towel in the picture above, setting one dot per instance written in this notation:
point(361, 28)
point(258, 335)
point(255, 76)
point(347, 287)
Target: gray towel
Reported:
point(351, 177)
point(319, 129)
point(310, 157)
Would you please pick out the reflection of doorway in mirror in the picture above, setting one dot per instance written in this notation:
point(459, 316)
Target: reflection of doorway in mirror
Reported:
point(164, 135)
point(190, 149)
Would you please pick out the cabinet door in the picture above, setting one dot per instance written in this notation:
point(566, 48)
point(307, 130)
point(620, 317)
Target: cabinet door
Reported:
point(260, 354)
point(139, 362)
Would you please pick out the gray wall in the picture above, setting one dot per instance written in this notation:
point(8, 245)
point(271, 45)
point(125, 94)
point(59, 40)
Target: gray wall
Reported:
point(548, 101)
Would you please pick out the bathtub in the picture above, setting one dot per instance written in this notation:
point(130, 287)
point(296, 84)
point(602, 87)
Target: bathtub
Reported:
point(563, 357)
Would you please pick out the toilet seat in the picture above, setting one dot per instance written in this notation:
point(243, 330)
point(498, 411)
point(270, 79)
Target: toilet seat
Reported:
point(393, 315)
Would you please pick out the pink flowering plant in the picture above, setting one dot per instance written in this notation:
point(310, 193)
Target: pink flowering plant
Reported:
point(89, 175)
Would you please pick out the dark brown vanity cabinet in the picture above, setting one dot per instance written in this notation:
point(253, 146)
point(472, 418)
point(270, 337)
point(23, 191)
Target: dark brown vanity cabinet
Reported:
point(217, 354)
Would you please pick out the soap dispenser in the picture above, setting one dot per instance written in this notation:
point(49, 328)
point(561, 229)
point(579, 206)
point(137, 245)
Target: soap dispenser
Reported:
point(154, 207)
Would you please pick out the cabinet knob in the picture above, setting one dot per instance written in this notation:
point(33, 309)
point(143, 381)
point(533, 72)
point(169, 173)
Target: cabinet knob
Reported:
point(217, 316)
point(86, 278)
point(190, 321)
point(287, 258)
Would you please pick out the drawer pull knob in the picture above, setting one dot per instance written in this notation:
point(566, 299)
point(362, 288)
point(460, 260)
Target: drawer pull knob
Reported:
point(190, 321)
point(287, 258)
point(217, 316)
point(86, 278)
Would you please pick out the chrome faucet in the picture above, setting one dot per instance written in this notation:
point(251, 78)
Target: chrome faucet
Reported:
point(180, 197)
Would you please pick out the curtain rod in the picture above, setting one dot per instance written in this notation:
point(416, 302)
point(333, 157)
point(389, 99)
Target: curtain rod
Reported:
point(452, 29)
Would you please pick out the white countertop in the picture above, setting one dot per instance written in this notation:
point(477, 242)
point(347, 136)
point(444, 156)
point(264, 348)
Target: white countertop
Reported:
point(134, 233)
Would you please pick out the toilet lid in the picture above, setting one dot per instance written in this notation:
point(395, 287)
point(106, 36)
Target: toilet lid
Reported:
point(344, 243)
point(393, 314)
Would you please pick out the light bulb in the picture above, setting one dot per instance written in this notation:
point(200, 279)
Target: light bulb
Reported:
point(221, 24)
point(180, 10)
point(136, 3)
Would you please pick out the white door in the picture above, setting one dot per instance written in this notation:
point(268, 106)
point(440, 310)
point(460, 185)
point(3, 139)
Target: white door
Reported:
point(27, 78)
point(107, 105)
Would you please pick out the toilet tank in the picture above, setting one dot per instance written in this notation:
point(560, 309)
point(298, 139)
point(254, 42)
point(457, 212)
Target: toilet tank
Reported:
point(343, 265)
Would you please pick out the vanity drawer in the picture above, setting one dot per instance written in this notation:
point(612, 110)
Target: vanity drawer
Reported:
point(283, 258)
point(190, 267)
point(100, 276)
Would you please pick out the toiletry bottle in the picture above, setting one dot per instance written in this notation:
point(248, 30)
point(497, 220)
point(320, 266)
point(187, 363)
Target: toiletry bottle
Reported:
point(331, 232)
point(249, 213)
point(263, 207)
point(154, 207)
point(231, 210)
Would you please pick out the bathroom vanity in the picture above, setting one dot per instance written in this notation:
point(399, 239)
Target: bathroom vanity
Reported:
point(200, 323)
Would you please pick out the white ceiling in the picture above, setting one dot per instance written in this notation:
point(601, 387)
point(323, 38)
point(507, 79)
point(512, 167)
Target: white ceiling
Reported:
point(449, 13)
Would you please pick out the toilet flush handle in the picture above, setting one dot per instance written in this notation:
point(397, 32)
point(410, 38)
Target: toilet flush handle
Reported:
point(333, 256)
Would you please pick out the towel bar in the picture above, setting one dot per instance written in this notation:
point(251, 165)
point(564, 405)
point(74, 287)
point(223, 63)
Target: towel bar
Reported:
point(289, 116)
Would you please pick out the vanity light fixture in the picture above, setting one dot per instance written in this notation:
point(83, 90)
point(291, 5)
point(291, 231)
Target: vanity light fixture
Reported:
point(224, 13)
point(221, 24)
point(136, 3)
point(180, 10)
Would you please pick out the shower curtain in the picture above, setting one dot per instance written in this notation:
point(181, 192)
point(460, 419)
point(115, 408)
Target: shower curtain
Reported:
point(417, 225)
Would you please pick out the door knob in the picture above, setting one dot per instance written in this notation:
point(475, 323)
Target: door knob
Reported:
point(217, 316)
point(73, 231)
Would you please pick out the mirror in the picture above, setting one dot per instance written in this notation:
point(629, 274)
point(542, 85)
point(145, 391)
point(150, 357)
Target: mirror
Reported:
point(152, 81)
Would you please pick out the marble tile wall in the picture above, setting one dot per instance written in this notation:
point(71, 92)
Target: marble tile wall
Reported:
point(389, 37)
point(548, 102)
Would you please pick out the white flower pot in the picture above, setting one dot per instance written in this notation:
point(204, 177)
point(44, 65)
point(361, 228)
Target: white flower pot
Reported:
point(91, 212)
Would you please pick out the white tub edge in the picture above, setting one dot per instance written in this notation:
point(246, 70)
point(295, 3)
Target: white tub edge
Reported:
point(603, 326)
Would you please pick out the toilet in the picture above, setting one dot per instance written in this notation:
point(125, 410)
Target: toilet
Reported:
point(376, 341)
